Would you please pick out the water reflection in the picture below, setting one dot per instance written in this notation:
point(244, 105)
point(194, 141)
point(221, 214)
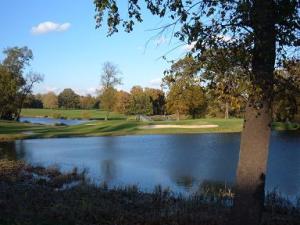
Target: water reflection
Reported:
point(109, 170)
point(12, 150)
point(51, 121)
point(108, 167)
point(8, 151)
point(210, 156)
point(284, 166)
point(181, 162)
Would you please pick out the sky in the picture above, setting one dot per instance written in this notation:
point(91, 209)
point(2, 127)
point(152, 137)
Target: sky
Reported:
point(69, 51)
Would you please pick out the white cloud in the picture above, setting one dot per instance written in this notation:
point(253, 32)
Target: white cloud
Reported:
point(155, 83)
point(89, 91)
point(80, 91)
point(51, 89)
point(189, 47)
point(49, 26)
point(92, 91)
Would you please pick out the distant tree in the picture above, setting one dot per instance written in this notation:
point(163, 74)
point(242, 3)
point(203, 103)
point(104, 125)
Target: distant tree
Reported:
point(158, 100)
point(15, 86)
point(87, 102)
point(50, 100)
point(140, 103)
point(185, 95)
point(110, 75)
point(108, 99)
point(33, 101)
point(287, 91)
point(226, 72)
point(177, 100)
point(8, 91)
point(68, 99)
point(16, 61)
point(123, 102)
point(229, 96)
point(197, 103)
point(109, 80)
point(25, 90)
point(187, 99)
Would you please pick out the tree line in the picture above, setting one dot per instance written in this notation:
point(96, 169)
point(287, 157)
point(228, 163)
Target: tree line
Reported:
point(187, 90)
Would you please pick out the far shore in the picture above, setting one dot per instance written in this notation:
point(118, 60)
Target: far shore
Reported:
point(11, 130)
point(180, 126)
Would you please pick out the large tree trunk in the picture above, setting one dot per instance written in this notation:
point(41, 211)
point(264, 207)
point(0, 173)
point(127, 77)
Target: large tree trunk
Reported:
point(250, 180)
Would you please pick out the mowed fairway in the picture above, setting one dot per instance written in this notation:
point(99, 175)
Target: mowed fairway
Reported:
point(117, 125)
point(70, 114)
point(14, 130)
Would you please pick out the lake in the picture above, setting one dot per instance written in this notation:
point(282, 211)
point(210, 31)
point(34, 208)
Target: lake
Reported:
point(181, 162)
point(52, 121)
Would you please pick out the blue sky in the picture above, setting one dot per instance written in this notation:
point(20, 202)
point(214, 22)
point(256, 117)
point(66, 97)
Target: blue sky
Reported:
point(72, 52)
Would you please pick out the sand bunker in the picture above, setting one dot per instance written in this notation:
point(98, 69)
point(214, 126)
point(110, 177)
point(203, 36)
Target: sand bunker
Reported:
point(179, 126)
point(28, 132)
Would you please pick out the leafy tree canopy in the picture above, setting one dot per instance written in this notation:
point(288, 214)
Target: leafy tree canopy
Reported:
point(68, 99)
point(207, 23)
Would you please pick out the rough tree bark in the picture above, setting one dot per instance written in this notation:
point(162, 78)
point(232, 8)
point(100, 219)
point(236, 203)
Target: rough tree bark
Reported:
point(250, 179)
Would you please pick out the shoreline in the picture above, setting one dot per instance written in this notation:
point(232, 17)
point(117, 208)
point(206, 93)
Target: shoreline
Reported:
point(109, 135)
point(69, 198)
point(11, 130)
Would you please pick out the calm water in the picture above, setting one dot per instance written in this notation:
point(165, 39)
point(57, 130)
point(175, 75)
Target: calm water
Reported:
point(181, 162)
point(49, 121)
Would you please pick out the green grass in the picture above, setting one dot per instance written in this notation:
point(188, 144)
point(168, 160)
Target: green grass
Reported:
point(280, 126)
point(14, 130)
point(70, 114)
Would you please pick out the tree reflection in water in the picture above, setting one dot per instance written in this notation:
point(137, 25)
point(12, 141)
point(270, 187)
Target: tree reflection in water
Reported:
point(108, 165)
point(12, 150)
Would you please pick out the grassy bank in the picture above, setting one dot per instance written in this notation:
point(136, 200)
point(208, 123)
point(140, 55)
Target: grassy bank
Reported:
point(286, 126)
point(70, 114)
point(35, 195)
point(14, 130)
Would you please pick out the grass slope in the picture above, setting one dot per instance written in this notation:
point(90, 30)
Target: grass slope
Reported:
point(70, 114)
point(14, 130)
